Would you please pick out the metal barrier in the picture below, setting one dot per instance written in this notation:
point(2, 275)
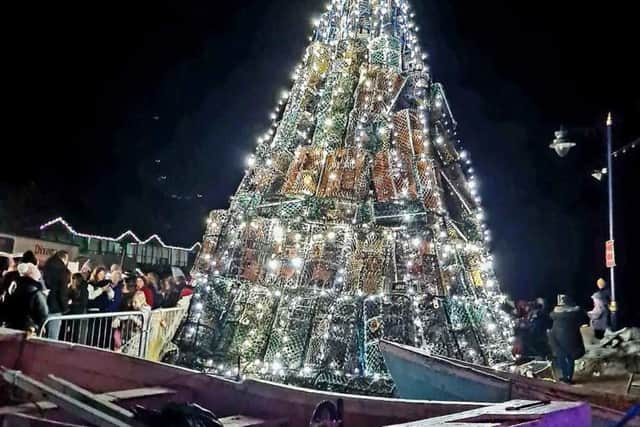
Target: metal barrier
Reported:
point(110, 331)
point(162, 327)
point(145, 334)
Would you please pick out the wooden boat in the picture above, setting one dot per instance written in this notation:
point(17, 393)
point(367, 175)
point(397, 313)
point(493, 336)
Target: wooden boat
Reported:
point(76, 383)
point(419, 375)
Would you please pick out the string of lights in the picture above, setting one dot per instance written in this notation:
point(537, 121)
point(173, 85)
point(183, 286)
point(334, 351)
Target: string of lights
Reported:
point(358, 219)
point(120, 238)
point(626, 148)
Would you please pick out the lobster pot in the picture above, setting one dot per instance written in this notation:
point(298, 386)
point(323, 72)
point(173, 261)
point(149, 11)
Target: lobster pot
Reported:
point(253, 317)
point(385, 51)
point(385, 190)
point(345, 175)
point(270, 178)
point(373, 320)
point(352, 53)
point(333, 339)
point(316, 65)
point(302, 177)
point(289, 334)
point(334, 110)
point(363, 23)
point(429, 189)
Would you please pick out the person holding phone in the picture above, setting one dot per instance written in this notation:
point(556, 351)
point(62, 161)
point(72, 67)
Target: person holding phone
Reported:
point(99, 290)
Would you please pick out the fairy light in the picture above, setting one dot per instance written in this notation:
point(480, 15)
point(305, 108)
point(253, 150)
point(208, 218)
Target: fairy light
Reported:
point(121, 237)
point(293, 245)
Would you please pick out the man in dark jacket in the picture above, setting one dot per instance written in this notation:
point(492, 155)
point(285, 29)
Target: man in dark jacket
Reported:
point(56, 278)
point(27, 305)
point(565, 338)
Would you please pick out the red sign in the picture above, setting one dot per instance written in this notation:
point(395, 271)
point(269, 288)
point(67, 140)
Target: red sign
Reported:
point(610, 254)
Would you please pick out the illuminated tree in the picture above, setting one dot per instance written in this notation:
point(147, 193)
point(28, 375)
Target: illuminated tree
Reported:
point(357, 219)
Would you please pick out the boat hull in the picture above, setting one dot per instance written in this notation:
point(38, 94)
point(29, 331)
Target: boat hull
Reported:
point(102, 371)
point(419, 375)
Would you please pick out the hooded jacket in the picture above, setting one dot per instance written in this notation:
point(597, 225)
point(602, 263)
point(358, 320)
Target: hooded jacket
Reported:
point(600, 314)
point(26, 305)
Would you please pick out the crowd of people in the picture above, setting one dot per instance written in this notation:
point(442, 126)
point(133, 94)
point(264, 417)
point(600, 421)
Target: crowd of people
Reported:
point(30, 295)
point(556, 335)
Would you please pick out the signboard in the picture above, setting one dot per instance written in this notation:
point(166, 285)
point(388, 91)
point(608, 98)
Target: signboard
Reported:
point(42, 249)
point(610, 254)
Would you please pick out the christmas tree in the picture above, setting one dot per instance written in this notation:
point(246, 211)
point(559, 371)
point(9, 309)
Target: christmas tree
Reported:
point(357, 219)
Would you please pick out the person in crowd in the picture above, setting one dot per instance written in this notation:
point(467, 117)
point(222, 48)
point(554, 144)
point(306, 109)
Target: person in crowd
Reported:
point(117, 285)
point(128, 290)
point(112, 269)
point(8, 275)
point(98, 276)
point(99, 290)
point(9, 272)
point(170, 294)
point(143, 286)
point(78, 295)
point(539, 322)
point(121, 325)
point(26, 303)
point(603, 290)
point(183, 286)
point(139, 302)
point(4, 265)
point(153, 280)
point(79, 304)
point(599, 315)
point(85, 270)
point(565, 338)
point(522, 332)
point(56, 278)
point(29, 257)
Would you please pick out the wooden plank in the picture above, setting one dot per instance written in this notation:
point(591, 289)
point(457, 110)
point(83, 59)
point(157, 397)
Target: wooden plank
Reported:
point(23, 420)
point(631, 383)
point(85, 396)
point(112, 396)
point(135, 393)
point(69, 404)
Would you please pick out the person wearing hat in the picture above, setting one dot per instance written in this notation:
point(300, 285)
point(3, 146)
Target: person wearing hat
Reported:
point(599, 315)
point(27, 304)
point(565, 339)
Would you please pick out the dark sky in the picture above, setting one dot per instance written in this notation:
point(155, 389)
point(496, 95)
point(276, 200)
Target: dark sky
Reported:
point(100, 91)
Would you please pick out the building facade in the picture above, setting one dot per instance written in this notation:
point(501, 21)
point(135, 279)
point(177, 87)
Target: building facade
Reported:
point(126, 249)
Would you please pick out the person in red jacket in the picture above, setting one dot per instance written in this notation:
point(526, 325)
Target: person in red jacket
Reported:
point(142, 285)
point(183, 286)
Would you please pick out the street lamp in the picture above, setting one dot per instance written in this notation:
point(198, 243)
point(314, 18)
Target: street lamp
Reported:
point(562, 146)
point(560, 143)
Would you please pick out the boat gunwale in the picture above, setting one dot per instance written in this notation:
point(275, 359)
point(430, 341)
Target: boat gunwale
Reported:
point(446, 361)
point(599, 399)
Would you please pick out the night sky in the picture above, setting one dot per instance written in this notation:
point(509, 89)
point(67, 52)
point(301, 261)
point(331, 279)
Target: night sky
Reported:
point(102, 91)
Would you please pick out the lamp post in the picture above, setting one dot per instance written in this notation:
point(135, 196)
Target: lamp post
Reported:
point(612, 265)
point(562, 145)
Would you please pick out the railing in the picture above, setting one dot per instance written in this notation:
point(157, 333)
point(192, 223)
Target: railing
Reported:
point(145, 334)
